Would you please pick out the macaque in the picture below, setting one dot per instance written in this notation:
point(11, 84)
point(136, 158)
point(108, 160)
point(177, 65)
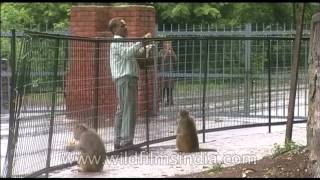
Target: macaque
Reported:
point(93, 154)
point(187, 138)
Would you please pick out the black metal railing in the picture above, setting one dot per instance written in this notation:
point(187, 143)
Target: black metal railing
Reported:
point(59, 81)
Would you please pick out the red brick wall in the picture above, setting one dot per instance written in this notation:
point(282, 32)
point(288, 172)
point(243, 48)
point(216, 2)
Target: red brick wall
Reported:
point(92, 21)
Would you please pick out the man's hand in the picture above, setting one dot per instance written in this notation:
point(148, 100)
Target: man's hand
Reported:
point(145, 42)
point(148, 35)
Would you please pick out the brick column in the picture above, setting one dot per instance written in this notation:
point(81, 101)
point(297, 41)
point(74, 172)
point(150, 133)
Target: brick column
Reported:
point(92, 21)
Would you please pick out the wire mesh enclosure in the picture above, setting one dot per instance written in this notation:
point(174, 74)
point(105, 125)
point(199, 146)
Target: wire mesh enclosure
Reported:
point(63, 80)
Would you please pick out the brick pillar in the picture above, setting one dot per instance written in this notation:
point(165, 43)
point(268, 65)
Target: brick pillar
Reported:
point(92, 21)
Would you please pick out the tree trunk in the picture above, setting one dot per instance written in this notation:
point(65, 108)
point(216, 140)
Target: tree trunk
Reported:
point(313, 125)
point(294, 70)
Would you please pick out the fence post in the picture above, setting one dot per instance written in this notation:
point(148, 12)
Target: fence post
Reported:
point(155, 84)
point(1, 94)
point(247, 84)
point(53, 103)
point(205, 48)
point(269, 84)
point(11, 143)
point(155, 67)
point(146, 97)
point(96, 87)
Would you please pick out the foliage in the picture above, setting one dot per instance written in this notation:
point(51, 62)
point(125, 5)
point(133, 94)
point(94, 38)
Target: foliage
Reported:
point(216, 167)
point(187, 12)
point(278, 149)
point(56, 15)
point(31, 15)
point(5, 45)
point(229, 13)
point(14, 15)
point(260, 12)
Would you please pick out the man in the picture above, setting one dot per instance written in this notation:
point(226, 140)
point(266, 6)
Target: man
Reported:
point(124, 71)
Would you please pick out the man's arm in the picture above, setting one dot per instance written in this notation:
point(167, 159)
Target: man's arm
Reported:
point(128, 50)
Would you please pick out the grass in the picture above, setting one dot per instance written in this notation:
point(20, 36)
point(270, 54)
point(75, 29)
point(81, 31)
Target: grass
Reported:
point(182, 87)
point(216, 167)
point(281, 149)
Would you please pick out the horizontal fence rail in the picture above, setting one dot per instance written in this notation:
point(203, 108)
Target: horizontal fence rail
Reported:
point(221, 80)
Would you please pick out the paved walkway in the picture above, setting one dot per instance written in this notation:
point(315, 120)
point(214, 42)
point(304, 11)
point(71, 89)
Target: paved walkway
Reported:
point(230, 147)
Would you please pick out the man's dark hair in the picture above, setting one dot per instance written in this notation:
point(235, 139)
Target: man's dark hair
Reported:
point(114, 22)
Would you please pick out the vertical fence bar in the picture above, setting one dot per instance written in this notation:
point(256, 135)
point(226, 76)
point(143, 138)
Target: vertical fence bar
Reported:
point(65, 67)
point(231, 77)
point(53, 103)
point(205, 79)
point(200, 63)
point(193, 60)
point(223, 72)
point(277, 73)
point(307, 78)
point(215, 72)
point(146, 97)
point(255, 85)
point(247, 83)
point(96, 87)
point(283, 80)
point(269, 84)
point(239, 67)
point(66, 55)
point(11, 144)
point(2, 94)
point(177, 62)
point(156, 82)
point(185, 61)
point(263, 54)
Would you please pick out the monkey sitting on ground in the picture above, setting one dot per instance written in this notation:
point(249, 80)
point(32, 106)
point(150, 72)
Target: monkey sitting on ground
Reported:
point(187, 138)
point(93, 154)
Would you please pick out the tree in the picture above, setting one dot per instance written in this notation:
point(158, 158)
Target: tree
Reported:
point(228, 13)
point(54, 16)
point(294, 69)
point(14, 16)
point(313, 124)
point(187, 13)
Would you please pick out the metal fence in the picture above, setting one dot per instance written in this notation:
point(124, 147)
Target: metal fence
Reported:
point(166, 30)
point(248, 29)
point(222, 85)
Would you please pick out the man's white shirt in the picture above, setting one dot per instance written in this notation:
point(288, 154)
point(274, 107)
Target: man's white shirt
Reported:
point(122, 58)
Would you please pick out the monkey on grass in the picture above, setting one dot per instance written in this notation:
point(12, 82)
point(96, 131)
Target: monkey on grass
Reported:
point(187, 138)
point(93, 154)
